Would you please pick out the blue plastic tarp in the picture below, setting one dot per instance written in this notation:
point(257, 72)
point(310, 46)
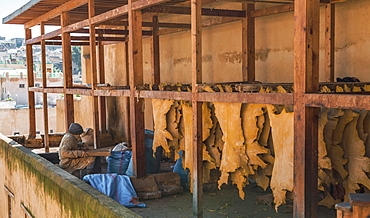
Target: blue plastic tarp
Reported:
point(118, 187)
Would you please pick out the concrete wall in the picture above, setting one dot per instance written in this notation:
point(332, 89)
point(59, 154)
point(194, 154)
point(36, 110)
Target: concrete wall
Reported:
point(17, 120)
point(222, 54)
point(20, 95)
point(45, 190)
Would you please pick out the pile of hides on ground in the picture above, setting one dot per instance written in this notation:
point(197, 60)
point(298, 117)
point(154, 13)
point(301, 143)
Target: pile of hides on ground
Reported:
point(118, 187)
point(256, 142)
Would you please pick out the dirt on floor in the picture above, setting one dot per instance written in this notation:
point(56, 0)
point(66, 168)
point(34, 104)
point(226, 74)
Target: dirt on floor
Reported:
point(222, 203)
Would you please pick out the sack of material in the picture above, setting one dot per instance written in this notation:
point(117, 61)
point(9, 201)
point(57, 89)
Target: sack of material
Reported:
point(118, 187)
point(118, 162)
point(87, 137)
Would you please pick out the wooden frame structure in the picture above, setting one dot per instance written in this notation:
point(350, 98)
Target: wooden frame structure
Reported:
point(95, 16)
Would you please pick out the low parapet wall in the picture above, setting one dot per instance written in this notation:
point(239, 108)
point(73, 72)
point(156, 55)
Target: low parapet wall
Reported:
point(35, 187)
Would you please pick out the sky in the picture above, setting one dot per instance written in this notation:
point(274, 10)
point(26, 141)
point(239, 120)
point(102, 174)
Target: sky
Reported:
point(10, 30)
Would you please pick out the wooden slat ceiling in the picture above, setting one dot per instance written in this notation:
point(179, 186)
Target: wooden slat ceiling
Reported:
point(35, 8)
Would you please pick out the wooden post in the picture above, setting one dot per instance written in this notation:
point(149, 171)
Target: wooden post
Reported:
point(102, 99)
point(127, 105)
point(248, 44)
point(197, 171)
point(155, 52)
point(44, 95)
point(31, 80)
point(67, 71)
point(306, 80)
point(136, 104)
point(329, 41)
point(94, 76)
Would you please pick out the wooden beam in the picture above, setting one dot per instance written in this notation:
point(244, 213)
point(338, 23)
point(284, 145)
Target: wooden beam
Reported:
point(72, 43)
point(136, 104)
point(118, 93)
point(127, 103)
point(94, 76)
point(31, 95)
point(76, 91)
point(197, 124)
point(102, 99)
point(260, 98)
point(44, 37)
point(329, 42)
point(306, 79)
point(272, 10)
point(87, 38)
point(149, 24)
point(185, 96)
point(205, 11)
point(344, 101)
point(111, 32)
point(123, 10)
point(155, 54)
point(248, 45)
point(76, 26)
point(67, 72)
point(55, 12)
point(205, 23)
point(44, 95)
point(141, 4)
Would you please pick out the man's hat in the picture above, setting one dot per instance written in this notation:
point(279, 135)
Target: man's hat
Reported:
point(75, 129)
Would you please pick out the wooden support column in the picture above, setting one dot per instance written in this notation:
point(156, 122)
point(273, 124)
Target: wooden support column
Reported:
point(94, 75)
point(196, 47)
point(306, 80)
point(248, 44)
point(44, 95)
point(127, 103)
point(102, 99)
point(329, 42)
point(155, 52)
point(136, 78)
point(67, 72)
point(31, 80)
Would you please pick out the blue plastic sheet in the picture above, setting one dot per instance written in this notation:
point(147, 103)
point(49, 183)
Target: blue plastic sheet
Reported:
point(178, 168)
point(118, 187)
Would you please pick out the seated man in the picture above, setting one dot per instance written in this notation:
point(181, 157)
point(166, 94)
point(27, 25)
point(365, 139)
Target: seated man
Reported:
point(71, 155)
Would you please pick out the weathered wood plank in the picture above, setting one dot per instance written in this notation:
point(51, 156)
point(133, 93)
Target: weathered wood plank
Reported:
point(186, 96)
point(94, 75)
point(102, 99)
point(233, 97)
point(124, 93)
point(123, 10)
point(31, 95)
point(155, 54)
point(44, 37)
point(44, 95)
point(205, 11)
point(76, 26)
point(272, 10)
point(141, 4)
point(345, 101)
point(67, 71)
point(196, 74)
point(136, 78)
point(76, 91)
point(205, 23)
point(55, 12)
point(248, 45)
point(329, 41)
point(306, 68)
